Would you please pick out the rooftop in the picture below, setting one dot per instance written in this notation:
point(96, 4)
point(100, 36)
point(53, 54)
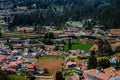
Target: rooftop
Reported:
point(115, 31)
point(108, 73)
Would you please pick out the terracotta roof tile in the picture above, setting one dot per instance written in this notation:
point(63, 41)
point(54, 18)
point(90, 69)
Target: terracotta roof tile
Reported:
point(115, 31)
point(104, 76)
point(30, 66)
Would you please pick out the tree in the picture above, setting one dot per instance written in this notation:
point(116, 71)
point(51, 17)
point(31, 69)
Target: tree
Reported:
point(27, 73)
point(63, 41)
point(30, 50)
point(107, 48)
point(117, 49)
point(105, 63)
point(48, 41)
point(92, 53)
point(10, 45)
point(47, 38)
point(104, 47)
point(59, 76)
point(31, 78)
point(56, 47)
point(118, 63)
point(92, 62)
point(68, 10)
point(4, 76)
point(70, 44)
point(100, 45)
point(0, 34)
point(49, 35)
point(45, 70)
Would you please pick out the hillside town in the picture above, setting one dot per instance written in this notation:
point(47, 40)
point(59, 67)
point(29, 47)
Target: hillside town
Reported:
point(21, 56)
point(78, 50)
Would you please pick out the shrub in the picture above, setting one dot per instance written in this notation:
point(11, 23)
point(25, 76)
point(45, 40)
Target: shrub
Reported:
point(105, 63)
point(59, 76)
point(117, 49)
point(92, 62)
point(83, 57)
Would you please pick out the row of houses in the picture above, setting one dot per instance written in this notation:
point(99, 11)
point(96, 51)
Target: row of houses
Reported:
point(80, 72)
point(11, 61)
point(110, 73)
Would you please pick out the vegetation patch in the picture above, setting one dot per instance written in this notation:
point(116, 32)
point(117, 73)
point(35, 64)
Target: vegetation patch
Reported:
point(81, 46)
point(18, 77)
point(51, 63)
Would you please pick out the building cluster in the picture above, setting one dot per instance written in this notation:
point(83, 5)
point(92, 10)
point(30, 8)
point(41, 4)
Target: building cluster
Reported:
point(12, 55)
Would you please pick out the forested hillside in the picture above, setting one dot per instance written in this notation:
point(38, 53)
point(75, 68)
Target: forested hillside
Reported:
point(57, 12)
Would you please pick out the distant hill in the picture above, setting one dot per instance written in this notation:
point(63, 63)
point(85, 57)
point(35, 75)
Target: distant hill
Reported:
point(105, 11)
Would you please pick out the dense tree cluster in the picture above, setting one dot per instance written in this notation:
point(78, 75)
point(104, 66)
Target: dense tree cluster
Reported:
point(104, 47)
point(57, 12)
point(59, 76)
point(93, 63)
point(117, 49)
point(0, 34)
point(49, 35)
point(69, 44)
point(47, 38)
point(39, 17)
point(4, 76)
point(105, 63)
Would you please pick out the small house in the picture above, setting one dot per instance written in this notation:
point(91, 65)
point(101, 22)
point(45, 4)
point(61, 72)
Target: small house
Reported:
point(17, 46)
point(33, 67)
point(115, 32)
point(71, 64)
point(19, 8)
point(26, 29)
point(54, 53)
point(15, 40)
point(28, 41)
point(74, 52)
point(50, 47)
point(113, 61)
point(108, 74)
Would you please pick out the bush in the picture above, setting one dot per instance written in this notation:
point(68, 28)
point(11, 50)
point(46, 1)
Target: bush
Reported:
point(49, 35)
point(46, 72)
point(83, 57)
point(63, 42)
point(3, 75)
point(105, 63)
point(117, 49)
point(92, 62)
point(59, 76)
point(47, 41)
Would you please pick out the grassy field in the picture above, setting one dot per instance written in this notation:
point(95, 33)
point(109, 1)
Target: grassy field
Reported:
point(77, 44)
point(80, 45)
point(17, 77)
point(51, 63)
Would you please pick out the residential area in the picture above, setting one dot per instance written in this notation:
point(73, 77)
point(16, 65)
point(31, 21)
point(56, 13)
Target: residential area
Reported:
point(67, 50)
point(53, 48)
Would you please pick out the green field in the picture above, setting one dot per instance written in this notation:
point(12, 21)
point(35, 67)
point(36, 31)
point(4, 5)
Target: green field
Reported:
point(79, 45)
